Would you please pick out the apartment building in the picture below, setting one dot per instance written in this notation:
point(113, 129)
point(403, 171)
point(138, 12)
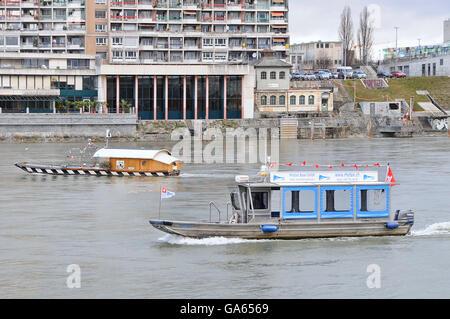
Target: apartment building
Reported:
point(175, 59)
point(147, 31)
point(195, 31)
point(45, 26)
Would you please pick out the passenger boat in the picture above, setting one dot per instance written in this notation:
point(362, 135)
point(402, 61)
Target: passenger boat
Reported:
point(311, 203)
point(115, 162)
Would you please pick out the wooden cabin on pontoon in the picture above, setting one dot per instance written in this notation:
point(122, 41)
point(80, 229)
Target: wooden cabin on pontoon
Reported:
point(140, 161)
point(115, 162)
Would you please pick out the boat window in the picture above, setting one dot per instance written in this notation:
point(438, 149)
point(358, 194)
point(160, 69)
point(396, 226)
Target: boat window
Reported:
point(260, 200)
point(372, 200)
point(235, 201)
point(337, 200)
point(300, 201)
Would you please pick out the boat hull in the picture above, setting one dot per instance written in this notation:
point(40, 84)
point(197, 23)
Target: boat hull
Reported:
point(287, 231)
point(87, 171)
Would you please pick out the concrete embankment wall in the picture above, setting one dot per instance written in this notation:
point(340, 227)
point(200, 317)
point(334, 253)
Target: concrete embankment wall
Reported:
point(81, 126)
point(340, 127)
point(45, 125)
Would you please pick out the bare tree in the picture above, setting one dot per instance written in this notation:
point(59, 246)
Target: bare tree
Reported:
point(323, 61)
point(346, 34)
point(365, 36)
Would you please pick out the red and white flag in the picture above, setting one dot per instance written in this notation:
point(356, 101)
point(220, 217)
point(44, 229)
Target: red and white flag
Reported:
point(165, 194)
point(390, 177)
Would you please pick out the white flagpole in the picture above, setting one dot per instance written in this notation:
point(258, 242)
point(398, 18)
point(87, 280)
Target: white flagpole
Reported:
point(160, 199)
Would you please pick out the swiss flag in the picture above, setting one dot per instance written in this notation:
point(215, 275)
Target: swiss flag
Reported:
point(390, 177)
point(165, 194)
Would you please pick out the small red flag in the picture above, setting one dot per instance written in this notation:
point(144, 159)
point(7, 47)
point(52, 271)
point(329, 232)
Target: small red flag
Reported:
point(317, 166)
point(289, 164)
point(342, 165)
point(390, 177)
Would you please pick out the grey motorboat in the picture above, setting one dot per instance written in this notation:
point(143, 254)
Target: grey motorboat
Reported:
point(301, 204)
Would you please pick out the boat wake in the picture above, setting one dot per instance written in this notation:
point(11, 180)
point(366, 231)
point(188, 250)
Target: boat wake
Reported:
point(435, 229)
point(213, 241)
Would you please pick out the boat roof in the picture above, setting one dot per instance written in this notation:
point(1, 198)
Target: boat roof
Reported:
point(341, 177)
point(163, 156)
point(275, 185)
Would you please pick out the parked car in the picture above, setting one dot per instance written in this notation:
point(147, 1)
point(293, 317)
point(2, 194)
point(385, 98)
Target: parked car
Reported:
point(335, 75)
point(345, 75)
point(325, 70)
point(348, 71)
point(321, 75)
point(384, 74)
point(359, 75)
point(310, 77)
point(398, 74)
point(298, 76)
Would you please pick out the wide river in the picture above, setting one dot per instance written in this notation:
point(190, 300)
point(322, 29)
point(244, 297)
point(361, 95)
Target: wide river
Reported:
point(101, 224)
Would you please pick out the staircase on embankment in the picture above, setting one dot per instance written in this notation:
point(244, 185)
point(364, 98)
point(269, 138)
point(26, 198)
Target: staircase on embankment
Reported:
point(371, 73)
point(288, 128)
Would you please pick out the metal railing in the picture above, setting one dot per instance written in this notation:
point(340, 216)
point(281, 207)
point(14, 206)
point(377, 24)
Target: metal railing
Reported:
point(211, 205)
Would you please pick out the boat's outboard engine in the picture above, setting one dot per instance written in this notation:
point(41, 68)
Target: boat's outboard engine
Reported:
point(405, 216)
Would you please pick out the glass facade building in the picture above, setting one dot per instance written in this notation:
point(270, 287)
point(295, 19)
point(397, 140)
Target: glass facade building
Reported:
point(177, 97)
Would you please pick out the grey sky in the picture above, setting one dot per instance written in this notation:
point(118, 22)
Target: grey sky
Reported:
point(319, 20)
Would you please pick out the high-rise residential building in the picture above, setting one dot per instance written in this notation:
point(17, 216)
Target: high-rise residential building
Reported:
point(192, 31)
point(147, 31)
point(45, 26)
point(173, 59)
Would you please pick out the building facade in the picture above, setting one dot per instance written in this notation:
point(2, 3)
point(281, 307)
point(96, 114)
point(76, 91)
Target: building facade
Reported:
point(38, 26)
point(38, 83)
point(179, 92)
point(35, 82)
point(147, 31)
point(276, 95)
point(426, 66)
point(182, 59)
point(311, 56)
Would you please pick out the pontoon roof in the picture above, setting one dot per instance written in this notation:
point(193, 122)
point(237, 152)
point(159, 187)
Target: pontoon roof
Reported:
point(163, 156)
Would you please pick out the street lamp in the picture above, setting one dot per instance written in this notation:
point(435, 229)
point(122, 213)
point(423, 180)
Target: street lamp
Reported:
point(396, 37)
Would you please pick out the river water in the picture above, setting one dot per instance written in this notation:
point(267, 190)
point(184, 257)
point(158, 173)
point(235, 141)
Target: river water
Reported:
point(101, 224)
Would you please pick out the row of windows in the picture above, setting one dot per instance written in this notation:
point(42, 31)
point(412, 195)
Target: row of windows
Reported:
point(335, 202)
point(273, 75)
point(292, 100)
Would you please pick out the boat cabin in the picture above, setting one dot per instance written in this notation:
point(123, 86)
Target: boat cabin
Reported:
point(140, 161)
point(317, 197)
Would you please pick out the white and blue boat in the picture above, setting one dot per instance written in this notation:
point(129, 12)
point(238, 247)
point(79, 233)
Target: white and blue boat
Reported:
point(309, 203)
